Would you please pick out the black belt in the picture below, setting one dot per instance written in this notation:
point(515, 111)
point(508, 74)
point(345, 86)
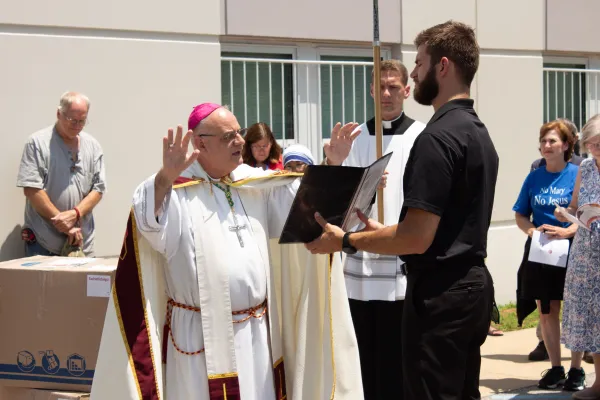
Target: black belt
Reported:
point(416, 267)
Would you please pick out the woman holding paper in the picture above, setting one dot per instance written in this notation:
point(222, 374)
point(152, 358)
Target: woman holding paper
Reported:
point(581, 317)
point(542, 279)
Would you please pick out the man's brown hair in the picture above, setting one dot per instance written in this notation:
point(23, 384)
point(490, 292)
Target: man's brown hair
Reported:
point(565, 135)
point(393, 65)
point(455, 41)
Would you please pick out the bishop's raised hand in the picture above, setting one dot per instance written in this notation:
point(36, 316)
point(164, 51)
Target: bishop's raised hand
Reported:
point(175, 153)
point(342, 137)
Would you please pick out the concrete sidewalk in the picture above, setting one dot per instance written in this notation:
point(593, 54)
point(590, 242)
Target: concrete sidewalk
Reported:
point(506, 373)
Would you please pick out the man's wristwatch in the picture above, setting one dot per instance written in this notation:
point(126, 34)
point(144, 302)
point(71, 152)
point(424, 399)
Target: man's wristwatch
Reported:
point(346, 246)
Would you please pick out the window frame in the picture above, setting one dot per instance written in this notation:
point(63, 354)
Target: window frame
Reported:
point(275, 50)
point(386, 54)
point(567, 61)
point(308, 52)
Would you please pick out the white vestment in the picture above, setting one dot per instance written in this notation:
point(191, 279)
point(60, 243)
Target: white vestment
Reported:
point(373, 276)
point(189, 254)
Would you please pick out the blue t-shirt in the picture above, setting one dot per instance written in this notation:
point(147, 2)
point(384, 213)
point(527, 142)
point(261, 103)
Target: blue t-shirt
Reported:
point(542, 191)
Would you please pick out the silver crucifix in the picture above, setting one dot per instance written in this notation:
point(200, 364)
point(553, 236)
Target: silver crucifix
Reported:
point(237, 228)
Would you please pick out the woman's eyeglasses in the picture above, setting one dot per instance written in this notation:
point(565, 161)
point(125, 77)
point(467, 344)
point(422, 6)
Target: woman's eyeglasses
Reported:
point(259, 147)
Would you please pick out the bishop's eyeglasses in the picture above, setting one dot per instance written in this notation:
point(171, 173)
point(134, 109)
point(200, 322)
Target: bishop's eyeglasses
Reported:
point(229, 136)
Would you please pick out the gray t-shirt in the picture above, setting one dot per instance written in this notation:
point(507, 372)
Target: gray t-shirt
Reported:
point(47, 164)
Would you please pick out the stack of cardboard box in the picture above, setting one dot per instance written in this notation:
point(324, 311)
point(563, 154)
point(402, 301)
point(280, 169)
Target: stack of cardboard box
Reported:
point(52, 312)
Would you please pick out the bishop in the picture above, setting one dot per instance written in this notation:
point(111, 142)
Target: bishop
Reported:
point(204, 294)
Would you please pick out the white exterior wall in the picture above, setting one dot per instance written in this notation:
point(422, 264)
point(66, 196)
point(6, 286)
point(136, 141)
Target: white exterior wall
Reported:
point(145, 64)
point(139, 84)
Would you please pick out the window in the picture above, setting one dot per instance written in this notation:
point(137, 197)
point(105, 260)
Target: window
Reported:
point(345, 92)
point(260, 91)
point(565, 93)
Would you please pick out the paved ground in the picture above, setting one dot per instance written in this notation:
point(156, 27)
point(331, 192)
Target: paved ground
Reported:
point(507, 374)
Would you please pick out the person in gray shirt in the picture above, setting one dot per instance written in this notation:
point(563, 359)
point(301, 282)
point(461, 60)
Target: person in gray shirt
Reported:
point(63, 178)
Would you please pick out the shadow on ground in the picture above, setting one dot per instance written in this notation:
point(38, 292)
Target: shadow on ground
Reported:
point(521, 359)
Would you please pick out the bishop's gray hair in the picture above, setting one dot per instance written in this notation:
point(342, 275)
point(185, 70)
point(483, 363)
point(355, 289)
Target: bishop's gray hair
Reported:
point(68, 98)
point(590, 130)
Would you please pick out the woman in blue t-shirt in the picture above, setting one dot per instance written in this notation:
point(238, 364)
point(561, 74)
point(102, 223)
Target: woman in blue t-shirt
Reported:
point(543, 190)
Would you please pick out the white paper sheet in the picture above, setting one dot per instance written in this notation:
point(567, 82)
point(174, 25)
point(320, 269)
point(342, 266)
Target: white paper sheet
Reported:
point(548, 251)
point(588, 214)
point(563, 211)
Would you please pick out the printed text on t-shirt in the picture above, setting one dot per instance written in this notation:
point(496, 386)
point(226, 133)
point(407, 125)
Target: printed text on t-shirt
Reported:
point(560, 201)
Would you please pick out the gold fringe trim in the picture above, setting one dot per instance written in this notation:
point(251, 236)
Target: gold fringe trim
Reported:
point(222, 376)
point(148, 329)
point(281, 174)
point(129, 355)
point(331, 331)
point(193, 182)
point(278, 362)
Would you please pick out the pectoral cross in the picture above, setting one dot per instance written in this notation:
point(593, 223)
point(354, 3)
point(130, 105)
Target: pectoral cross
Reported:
point(237, 228)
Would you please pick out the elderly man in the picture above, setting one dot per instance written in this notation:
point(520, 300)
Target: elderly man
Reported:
point(62, 176)
point(238, 308)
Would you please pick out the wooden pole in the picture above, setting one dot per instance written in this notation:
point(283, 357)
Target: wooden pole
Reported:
point(377, 99)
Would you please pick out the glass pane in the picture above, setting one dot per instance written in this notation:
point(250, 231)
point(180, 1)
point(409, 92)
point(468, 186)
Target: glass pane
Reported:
point(345, 92)
point(565, 94)
point(253, 97)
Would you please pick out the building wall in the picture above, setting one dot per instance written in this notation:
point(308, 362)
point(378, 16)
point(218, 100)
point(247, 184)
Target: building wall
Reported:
point(313, 19)
point(140, 80)
point(572, 26)
point(143, 74)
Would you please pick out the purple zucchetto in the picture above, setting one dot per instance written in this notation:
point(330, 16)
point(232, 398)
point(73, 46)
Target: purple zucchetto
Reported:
point(200, 112)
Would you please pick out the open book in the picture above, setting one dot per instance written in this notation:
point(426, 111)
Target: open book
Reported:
point(584, 216)
point(336, 192)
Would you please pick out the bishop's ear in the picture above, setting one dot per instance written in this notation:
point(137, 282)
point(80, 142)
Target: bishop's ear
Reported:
point(199, 143)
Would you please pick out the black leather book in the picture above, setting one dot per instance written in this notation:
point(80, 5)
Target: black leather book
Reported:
point(335, 192)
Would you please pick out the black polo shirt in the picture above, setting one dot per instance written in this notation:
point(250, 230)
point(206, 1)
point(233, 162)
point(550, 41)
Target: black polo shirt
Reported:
point(451, 172)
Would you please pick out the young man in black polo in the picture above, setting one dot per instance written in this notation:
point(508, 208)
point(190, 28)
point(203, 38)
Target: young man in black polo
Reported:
point(449, 187)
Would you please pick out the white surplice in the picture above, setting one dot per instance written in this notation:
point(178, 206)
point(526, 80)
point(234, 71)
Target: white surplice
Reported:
point(315, 335)
point(372, 276)
point(173, 236)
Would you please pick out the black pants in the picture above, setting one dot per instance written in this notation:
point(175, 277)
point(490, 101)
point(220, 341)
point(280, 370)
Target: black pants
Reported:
point(447, 314)
point(378, 326)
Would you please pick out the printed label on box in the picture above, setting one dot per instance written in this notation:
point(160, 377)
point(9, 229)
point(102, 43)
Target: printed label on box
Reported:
point(98, 286)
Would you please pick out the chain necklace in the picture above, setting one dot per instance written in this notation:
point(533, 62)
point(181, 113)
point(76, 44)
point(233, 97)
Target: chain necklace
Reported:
point(236, 227)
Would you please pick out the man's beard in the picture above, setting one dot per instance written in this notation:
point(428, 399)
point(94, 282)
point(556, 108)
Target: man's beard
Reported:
point(428, 89)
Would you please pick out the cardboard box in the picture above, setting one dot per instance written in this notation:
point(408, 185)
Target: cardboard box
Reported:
point(14, 393)
point(52, 312)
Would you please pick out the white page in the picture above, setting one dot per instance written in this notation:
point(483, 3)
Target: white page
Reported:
point(548, 251)
point(588, 214)
point(563, 211)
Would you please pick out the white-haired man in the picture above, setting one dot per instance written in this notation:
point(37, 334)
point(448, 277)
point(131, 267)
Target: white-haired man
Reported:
point(62, 176)
point(239, 307)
